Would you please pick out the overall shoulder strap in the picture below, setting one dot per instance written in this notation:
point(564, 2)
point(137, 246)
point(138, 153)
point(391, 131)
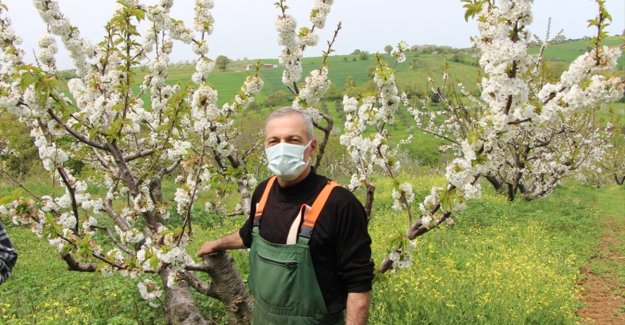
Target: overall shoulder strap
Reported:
point(260, 206)
point(318, 204)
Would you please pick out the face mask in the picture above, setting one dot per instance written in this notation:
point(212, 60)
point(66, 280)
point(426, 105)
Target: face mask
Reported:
point(286, 160)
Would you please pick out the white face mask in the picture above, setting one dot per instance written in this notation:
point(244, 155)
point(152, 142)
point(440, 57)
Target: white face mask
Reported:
point(286, 160)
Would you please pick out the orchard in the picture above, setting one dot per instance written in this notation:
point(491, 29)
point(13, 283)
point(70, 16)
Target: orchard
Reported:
point(153, 153)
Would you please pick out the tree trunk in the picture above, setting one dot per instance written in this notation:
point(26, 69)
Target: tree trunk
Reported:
point(326, 136)
point(228, 286)
point(511, 192)
point(180, 307)
point(497, 183)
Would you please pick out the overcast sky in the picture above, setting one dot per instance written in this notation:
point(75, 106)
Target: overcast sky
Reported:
point(245, 28)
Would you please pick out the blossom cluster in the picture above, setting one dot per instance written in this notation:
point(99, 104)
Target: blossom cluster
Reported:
point(203, 20)
point(291, 53)
point(79, 48)
point(399, 52)
point(294, 42)
point(371, 150)
point(402, 196)
point(12, 54)
point(150, 291)
point(317, 84)
point(47, 50)
point(320, 12)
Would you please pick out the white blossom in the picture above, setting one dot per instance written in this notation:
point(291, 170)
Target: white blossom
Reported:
point(150, 291)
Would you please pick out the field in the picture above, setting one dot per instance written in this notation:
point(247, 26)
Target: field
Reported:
point(538, 262)
point(513, 263)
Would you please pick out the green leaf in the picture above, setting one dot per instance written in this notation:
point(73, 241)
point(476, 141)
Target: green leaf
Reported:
point(140, 14)
point(473, 7)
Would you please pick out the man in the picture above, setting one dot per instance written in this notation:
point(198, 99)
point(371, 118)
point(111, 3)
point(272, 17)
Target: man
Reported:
point(8, 256)
point(310, 254)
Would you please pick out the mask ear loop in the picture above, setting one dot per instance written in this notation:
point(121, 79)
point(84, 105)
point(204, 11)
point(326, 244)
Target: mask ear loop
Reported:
point(306, 147)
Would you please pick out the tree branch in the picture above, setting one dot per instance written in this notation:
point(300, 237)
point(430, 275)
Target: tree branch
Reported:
point(72, 194)
point(74, 265)
point(326, 137)
point(75, 134)
point(199, 285)
point(139, 154)
point(118, 243)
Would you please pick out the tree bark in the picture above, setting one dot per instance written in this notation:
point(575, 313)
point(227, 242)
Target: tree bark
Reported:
point(496, 182)
point(229, 288)
point(246, 197)
point(180, 307)
point(326, 137)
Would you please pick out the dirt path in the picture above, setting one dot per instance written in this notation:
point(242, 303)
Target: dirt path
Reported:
point(601, 291)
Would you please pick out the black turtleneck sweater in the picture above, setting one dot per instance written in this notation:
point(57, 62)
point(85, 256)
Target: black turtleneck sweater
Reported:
point(340, 245)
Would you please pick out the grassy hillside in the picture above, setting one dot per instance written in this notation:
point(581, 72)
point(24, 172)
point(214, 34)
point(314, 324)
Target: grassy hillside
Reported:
point(411, 76)
point(569, 51)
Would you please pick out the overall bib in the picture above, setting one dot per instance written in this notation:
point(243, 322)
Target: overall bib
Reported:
point(282, 278)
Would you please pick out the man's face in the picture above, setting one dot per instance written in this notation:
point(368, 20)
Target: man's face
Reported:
point(289, 128)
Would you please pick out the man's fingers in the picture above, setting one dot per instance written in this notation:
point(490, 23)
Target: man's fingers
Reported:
point(202, 251)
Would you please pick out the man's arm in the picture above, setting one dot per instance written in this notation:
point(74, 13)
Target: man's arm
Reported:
point(231, 241)
point(357, 308)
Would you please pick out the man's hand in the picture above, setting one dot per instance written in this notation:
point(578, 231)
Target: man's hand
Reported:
point(357, 308)
point(232, 241)
point(208, 247)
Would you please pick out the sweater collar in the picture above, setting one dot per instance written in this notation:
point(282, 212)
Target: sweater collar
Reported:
point(301, 186)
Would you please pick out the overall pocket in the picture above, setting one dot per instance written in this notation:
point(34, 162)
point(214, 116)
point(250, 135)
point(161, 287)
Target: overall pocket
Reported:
point(276, 280)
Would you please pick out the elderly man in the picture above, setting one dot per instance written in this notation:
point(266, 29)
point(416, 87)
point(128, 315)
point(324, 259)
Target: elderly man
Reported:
point(8, 256)
point(310, 253)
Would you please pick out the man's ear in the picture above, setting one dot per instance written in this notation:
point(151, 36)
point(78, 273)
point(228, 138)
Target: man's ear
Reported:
point(313, 147)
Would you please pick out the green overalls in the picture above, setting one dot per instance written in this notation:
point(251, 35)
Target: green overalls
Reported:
point(282, 277)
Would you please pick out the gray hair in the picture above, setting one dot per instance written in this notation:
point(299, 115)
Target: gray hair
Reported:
point(283, 111)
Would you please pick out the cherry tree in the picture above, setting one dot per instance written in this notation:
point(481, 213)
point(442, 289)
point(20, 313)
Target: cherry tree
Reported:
point(522, 135)
point(132, 140)
point(366, 135)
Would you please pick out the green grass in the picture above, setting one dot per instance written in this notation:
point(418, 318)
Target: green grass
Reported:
point(512, 263)
point(41, 291)
point(569, 51)
point(502, 263)
point(609, 262)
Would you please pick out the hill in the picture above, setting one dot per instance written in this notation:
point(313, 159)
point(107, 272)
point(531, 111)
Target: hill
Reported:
point(460, 64)
point(570, 50)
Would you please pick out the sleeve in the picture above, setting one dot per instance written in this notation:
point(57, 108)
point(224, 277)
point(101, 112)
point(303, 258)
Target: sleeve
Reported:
point(246, 230)
point(355, 266)
point(8, 256)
